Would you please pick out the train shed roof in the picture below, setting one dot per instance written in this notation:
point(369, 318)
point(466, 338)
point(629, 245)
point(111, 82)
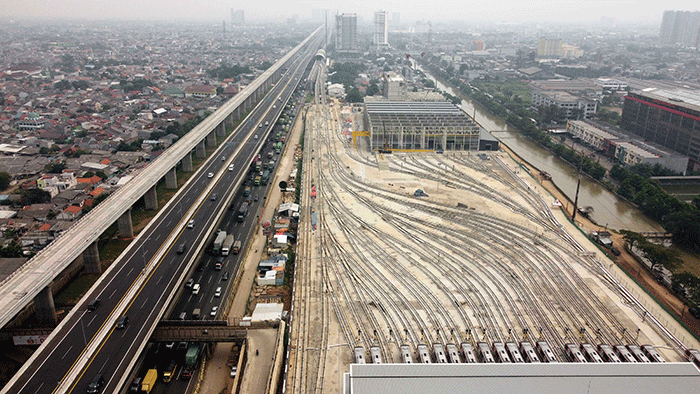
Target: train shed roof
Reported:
point(608, 378)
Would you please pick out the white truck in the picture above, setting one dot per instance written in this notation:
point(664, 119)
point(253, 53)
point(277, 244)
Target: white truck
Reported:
point(226, 247)
point(218, 242)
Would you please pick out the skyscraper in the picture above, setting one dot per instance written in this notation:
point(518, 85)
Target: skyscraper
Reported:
point(237, 17)
point(380, 29)
point(680, 27)
point(346, 32)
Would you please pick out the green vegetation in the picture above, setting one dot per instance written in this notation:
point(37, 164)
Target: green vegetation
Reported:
point(134, 146)
point(680, 218)
point(225, 71)
point(502, 103)
point(136, 84)
point(55, 168)
point(34, 196)
point(658, 255)
point(13, 249)
point(5, 179)
point(345, 73)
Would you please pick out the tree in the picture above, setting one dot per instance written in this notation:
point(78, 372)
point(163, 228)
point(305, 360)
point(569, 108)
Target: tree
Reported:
point(5, 179)
point(354, 96)
point(55, 168)
point(660, 255)
point(372, 89)
point(13, 249)
point(633, 239)
point(34, 196)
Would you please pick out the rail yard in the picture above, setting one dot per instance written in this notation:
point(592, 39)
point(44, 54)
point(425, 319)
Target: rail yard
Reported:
point(473, 267)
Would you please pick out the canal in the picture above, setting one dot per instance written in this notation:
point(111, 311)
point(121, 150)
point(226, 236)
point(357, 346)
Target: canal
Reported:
point(607, 208)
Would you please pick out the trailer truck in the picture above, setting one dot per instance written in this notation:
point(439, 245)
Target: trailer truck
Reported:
point(191, 358)
point(226, 247)
point(218, 242)
point(169, 371)
point(242, 211)
point(149, 381)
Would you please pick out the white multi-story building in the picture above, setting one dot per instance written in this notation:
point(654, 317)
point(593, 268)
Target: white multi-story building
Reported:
point(566, 101)
point(589, 134)
point(394, 86)
point(380, 29)
point(346, 32)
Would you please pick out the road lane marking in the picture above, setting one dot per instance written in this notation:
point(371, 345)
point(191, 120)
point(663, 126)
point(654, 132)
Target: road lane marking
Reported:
point(66, 353)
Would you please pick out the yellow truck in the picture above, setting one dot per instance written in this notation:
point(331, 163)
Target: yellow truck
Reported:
point(149, 381)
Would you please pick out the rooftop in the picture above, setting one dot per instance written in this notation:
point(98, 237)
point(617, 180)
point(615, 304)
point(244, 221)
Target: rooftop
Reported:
point(417, 114)
point(682, 97)
point(608, 378)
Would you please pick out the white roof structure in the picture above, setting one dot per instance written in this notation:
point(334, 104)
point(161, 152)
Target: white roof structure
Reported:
point(267, 312)
point(288, 206)
point(602, 378)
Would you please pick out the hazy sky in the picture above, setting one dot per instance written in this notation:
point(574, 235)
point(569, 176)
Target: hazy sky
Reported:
point(410, 10)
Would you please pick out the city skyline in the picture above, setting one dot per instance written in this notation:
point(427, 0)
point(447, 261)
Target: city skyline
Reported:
point(624, 11)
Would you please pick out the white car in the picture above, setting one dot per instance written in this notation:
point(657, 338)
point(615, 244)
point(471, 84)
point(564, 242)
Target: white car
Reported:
point(217, 293)
point(190, 224)
point(214, 309)
point(234, 370)
point(230, 168)
point(210, 175)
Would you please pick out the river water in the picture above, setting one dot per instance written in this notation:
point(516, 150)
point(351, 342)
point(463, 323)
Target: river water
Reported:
point(607, 208)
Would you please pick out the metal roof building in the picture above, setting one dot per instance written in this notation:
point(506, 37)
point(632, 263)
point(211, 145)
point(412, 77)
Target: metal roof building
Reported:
point(560, 378)
point(404, 125)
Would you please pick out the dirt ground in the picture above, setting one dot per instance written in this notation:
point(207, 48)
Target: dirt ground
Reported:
point(625, 261)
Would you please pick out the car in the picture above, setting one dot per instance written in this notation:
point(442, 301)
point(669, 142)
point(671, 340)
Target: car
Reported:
point(256, 136)
point(190, 224)
point(217, 293)
point(214, 309)
point(189, 284)
point(615, 251)
point(255, 198)
point(210, 175)
point(96, 384)
point(181, 248)
point(122, 322)
point(170, 345)
point(93, 305)
point(260, 125)
point(223, 158)
point(234, 371)
point(213, 197)
point(274, 106)
point(224, 276)
point(182, 346)
point(695, 312)
point(230, 168)
point(195, 289)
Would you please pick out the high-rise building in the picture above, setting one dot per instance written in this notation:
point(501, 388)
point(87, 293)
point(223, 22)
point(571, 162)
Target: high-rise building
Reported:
point(346, 32)
point(549, 48)
point(380, 29)
point(680, 27)
point(237, 17)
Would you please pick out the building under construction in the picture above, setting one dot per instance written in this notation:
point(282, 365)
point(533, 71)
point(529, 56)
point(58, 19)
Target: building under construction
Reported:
point(420, 126)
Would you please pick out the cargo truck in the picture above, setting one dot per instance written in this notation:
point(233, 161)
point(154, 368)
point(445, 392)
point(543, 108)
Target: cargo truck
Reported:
point(191, 358)
point(265, 178)
point(218, 242)
point(236, 247)
point(226, 247)
point(242, 211)
point(256, 182)
point(149, 381)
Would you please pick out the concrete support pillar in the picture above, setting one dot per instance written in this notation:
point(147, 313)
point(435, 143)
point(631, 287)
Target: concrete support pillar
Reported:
point(151, 199)
point(221, 129)
point(201, 150)
point(211, 139)
point(91, 259)
point(44, 307)
point(187, 162)
point(171, 179)
point(237, 113)
point(126, 228)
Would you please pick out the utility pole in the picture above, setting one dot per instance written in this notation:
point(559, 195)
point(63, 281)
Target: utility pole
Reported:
point(578, 186)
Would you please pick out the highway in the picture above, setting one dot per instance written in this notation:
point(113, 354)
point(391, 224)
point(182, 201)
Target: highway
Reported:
point(143, 284)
